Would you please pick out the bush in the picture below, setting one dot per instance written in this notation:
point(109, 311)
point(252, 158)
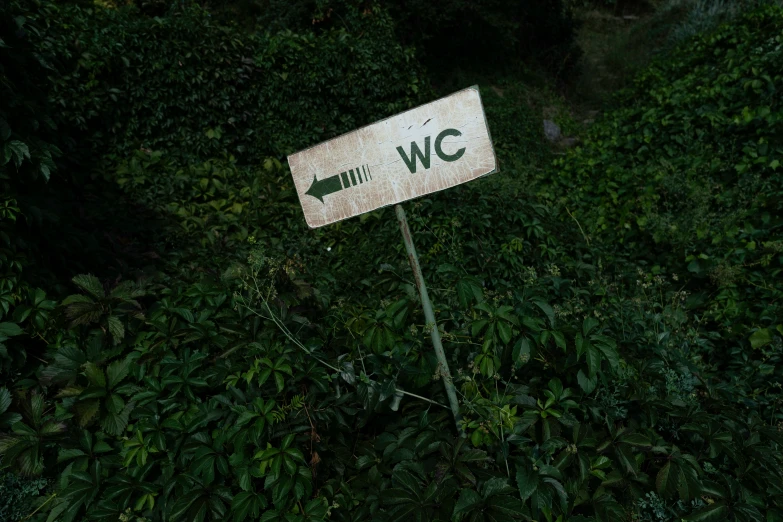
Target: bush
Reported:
point(18, 495)
point(686, 176)
point(731, 143)
point(187, 85)
point(449, 34)
point(26, 128)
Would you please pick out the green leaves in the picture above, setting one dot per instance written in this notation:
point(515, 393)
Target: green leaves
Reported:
point(493, 503)
point(16, 150)
point(593, 358)
point(487, 364)
point(281, 459)
point(710, 513)
point(191, 507)
point(116, 328)
point(208, 462)
point(461, 460)
point(469, 500)
point(81, 492)
point(521, 353)
point(247, 504)
point(469, 291)
point(527, 481)
point(7, 419)
point(587, 384)
point(90, 284)
point(540, 482)
point(498, 331)
point(104, 396)
point(678, 476)
point(760, 338)
point(293, 63)
point(97, 307)
point(595, 347)
point(667, 479)
point(5, 400)
point(37, 309)
point(116, 417)
point(9, 330)
point(24, 447)
point(117, 371)
point(276, 369)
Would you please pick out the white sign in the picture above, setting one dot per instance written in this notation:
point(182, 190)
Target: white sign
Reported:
point(430, 148)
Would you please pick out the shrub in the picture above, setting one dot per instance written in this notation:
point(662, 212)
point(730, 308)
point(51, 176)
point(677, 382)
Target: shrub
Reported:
point(188, 85)
point(449, 34)
point(688, 167)
point(18, 495)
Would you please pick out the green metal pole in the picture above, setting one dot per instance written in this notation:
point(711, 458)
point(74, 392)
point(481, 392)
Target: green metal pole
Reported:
point(429, 316)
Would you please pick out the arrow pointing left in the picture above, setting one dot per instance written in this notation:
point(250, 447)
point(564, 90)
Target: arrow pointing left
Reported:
point(319, 189)
point(350, 178)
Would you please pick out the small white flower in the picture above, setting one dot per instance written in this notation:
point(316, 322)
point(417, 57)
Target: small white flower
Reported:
point(328, 249)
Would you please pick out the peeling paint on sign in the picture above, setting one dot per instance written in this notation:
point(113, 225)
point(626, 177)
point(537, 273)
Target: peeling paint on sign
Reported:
point(417, 152)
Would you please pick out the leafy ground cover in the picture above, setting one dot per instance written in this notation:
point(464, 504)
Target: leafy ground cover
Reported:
point(612, 319)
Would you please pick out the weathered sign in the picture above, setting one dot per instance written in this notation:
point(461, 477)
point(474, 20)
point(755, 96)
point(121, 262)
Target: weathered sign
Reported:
point(417, 152)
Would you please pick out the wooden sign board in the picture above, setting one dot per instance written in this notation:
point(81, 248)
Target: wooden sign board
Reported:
point(430, 148)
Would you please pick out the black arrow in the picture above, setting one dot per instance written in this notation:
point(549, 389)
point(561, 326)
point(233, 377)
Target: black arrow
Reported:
point(319, 189)
point(332, 184)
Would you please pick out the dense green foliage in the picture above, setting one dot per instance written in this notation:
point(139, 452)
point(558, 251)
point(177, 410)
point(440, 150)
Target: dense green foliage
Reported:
point(183, 83)
point(612, 321)
point(448, 33)
point(688, 169)
point(18, 495)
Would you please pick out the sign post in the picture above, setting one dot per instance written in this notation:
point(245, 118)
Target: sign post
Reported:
point(429, 315)
point(424, 150)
